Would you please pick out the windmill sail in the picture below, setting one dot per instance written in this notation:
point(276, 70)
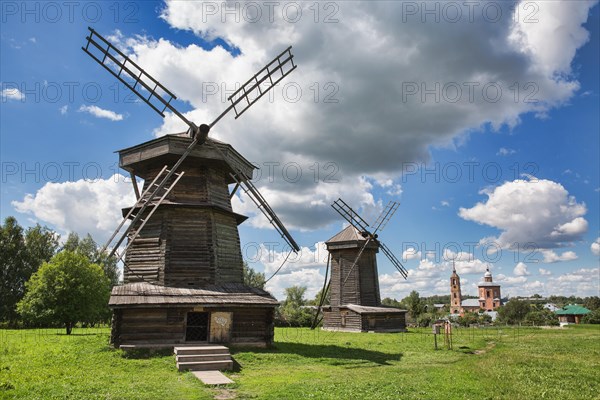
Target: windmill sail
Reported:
point(394, 260)
point(361, 225)
point(148, 89)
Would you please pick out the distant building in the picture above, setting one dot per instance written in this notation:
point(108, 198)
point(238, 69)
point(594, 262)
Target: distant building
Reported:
point(551, 307)
point(489, 295)
point(571, 314)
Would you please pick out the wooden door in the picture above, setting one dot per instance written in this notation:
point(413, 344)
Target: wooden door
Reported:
point(220, 326)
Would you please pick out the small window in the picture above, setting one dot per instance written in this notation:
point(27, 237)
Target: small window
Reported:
point(343, 318)
point(489, 293)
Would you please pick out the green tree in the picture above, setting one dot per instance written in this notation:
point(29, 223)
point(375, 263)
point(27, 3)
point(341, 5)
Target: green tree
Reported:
point(592, 318)
point(414, 305)
point(317, 299)
point(66, 290)
point(391, 302)
point(541, 318)
point(592, 303)
point(21, 254)
point(253, 278)
point(513, 312)
point(90, 249)
point(292, 311)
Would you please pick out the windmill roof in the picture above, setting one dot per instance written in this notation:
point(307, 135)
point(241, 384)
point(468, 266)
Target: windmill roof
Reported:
point(144, 294)
point(572, 309)
point(348, 234)
point(169, 148)
point(372, 310)
point(349, 238)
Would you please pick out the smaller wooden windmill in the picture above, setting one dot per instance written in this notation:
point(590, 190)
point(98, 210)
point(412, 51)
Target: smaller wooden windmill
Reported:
point(354, 284)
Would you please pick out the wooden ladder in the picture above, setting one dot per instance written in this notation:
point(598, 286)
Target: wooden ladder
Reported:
point(151, 197)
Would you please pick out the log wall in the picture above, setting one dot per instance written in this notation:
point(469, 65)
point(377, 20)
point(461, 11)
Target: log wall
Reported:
point(362, 285)
point(167, 325)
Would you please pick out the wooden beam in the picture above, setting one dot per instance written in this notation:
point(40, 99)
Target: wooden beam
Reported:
point(135, 186)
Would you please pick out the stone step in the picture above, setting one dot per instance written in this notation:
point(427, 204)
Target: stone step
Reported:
point(201, 350)
point(204, 365)
point(203, 357)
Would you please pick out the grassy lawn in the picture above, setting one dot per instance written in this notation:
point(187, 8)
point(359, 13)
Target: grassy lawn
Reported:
point(497, 363)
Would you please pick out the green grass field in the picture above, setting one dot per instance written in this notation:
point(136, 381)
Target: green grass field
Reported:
point(494, 363)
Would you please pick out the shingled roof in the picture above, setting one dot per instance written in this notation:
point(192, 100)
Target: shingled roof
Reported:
point(146, 294)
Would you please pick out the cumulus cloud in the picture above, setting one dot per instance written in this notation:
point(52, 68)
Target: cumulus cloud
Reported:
point(530, 212)
point(12, 94)
point(595, 247)
point(510, 280)
point(99, 112)
point(550, 256)
point(521, 269)
point(582, 282)
point(544, 272)
point(83, 206)
point(411, 254)
point(343, 116)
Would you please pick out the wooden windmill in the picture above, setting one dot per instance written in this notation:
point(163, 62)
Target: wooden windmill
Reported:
point(354, 284)
point(182, 258)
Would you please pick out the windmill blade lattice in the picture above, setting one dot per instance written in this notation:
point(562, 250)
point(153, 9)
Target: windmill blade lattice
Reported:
point(361, 225)
point(132, 75)
point(394, 260)
point(350, 215)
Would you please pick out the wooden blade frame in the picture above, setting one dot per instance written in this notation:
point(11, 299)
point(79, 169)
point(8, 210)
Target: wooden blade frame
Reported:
point(350, 215)
point(271, 74)
point(394, 260)
point(359, 223)
point(132, 76)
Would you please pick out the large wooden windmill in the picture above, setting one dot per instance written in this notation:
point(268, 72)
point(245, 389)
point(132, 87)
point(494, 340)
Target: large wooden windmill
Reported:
point(179, 242)
point(355, 300)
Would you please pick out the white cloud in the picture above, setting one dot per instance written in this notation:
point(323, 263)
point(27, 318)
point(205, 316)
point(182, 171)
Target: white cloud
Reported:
point(372, 116)
point(33, 40)
point(100, 112)
point(521, 269)
point(64, 109)
point(551, 257)
point(582, 282)
point(533, 211)
point(541, 34)
point(445, 203)
point(82, 206)
point(411, 254)
point(505, 151)
point(12, 94)
point(544, 272)
point(595, 247)
point(510, 280)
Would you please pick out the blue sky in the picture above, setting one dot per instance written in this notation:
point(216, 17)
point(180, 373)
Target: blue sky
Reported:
point(441, 110)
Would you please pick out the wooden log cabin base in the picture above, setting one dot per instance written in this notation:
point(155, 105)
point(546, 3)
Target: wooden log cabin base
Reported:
point(155, 315)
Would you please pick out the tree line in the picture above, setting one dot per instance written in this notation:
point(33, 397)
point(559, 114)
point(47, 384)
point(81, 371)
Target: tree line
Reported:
point(44, 284)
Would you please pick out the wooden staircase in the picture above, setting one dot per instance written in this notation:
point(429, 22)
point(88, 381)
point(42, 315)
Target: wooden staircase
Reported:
point(203, 358)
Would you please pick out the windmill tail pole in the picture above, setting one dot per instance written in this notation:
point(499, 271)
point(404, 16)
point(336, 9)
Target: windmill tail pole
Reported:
point(323, 294)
